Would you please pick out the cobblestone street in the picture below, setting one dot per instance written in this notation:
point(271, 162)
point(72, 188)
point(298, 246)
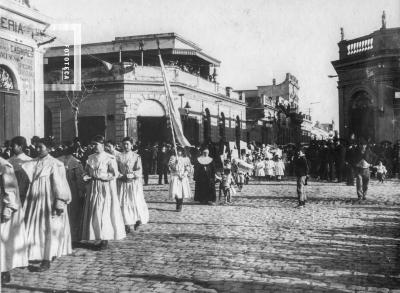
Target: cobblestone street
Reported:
point(259, 243)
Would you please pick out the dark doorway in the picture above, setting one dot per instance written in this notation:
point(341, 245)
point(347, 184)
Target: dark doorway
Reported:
point(153, 129)
point(207, 126)
point(48, 122)
point(9, 115)
point(191, 130)
point(362, 122)
point(90, 126)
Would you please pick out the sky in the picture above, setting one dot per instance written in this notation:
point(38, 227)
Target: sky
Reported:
point(256, 40)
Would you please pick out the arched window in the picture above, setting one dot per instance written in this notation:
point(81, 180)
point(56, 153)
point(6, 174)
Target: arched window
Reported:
point(6, 81)
point(207, 125)
point(222, 126)
point(237, 129)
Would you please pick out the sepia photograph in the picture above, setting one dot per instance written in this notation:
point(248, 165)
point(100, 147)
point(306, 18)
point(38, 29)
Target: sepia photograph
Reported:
point(206, 146)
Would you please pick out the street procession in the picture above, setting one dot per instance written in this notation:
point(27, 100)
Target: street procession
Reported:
point(128, 162)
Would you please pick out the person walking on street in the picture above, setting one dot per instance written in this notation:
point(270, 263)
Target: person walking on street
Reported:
point(363, 160)
point(46, 217)
point(130, 189)
point(301, 171)
point(102, 216)
point(13, 237)
point(179, 187)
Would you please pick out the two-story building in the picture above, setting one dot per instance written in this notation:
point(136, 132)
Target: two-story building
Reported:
point(126, 95)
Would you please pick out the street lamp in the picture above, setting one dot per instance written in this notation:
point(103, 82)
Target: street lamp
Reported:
point(187, 108)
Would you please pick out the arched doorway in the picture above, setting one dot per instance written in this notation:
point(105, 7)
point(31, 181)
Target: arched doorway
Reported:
point(222, 127)
point(362, 119)
point(9, 105)
point(152, 123)
point(207, 126)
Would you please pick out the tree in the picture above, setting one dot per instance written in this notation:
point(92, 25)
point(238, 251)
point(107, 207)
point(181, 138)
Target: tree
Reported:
point(76, 98)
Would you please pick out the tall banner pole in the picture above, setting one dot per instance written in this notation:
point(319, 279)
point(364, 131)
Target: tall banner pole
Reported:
point(168, 101)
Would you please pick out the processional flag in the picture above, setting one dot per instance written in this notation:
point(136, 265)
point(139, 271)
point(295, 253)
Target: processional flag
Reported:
point(173, 113)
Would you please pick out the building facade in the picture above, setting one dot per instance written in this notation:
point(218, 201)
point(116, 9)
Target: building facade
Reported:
point(21, 70)
point(368, 71)
point(273, 115)
point(126, 93)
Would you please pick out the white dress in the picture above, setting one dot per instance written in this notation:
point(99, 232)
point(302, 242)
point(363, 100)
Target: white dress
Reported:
point(259, 169)
point(179, 186)
point(13, 237)
point(102, 218)
point(130, 190)
point(48, 235)
point(279, 168)
point(269, 168)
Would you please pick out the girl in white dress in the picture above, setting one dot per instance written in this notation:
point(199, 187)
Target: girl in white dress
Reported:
point(102, 220)
point(279, 168)
point(13, 238)
point(259, 167)
point(269, 168)
point(130, 187)
point(179, 186)
point(46, 217)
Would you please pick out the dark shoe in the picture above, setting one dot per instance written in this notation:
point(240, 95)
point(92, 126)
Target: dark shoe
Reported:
point(44, 266)
point(136, 226)
point(103, 244)
point(5, 278)
point(179, 203)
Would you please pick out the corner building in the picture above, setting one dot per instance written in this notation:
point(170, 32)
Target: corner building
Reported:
point(129, 96)
point(368, 69)
point(21, 70)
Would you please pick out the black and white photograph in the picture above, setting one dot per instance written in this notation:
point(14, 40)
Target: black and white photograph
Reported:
point(207, 146)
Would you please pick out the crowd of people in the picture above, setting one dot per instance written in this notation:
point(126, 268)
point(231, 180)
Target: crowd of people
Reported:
point(56, 197)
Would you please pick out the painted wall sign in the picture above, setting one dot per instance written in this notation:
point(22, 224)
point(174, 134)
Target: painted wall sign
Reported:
point(23, 58)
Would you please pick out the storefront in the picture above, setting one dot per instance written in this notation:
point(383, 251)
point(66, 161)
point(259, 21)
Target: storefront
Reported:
point(21, 70)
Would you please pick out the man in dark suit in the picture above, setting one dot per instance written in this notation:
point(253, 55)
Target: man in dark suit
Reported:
point(301, 171)
point(146, 154)
point(340, 159)
point(162, 165)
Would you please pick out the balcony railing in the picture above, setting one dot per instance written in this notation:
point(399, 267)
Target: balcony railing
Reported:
point(360, 45)
point(383, 40)
point(147, 74)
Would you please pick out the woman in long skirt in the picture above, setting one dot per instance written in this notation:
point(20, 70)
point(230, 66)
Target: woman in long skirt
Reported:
point(46, 217)
point(74, 172)
point(130, 187)
point(179, 186)
point(13, 238)
point(102, 220)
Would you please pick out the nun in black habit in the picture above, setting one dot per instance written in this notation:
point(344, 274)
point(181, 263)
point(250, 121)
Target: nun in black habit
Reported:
point(204, 175)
